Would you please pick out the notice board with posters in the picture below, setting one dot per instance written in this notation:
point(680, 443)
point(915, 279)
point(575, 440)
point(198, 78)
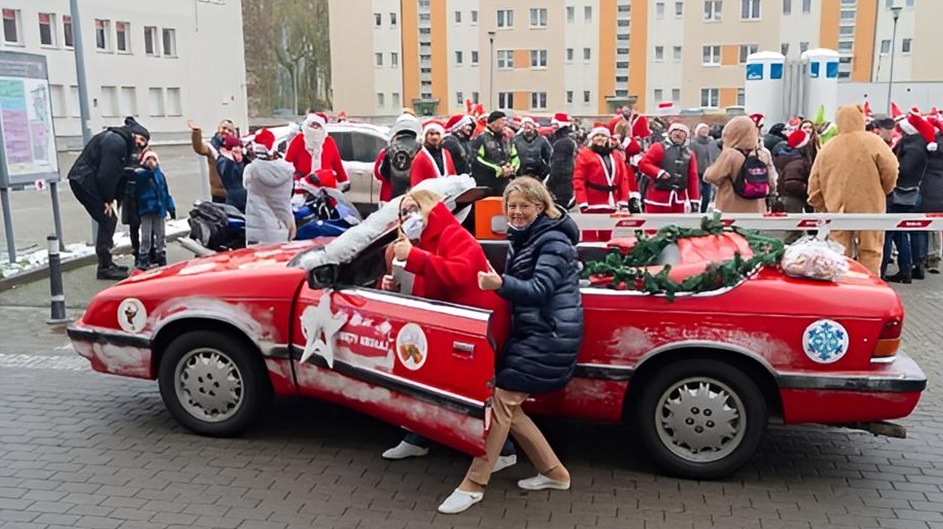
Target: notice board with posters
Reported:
point(27, 136)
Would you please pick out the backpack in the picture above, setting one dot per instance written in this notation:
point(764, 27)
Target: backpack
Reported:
point(209, 225)
point(752, 181)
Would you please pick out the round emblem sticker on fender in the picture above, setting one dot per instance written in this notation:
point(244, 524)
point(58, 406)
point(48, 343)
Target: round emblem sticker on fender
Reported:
point(825, 341)
point(132, 316)
point(411, 346)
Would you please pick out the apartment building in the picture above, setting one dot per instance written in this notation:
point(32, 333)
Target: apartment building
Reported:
point(161, 62)
point(587, 57)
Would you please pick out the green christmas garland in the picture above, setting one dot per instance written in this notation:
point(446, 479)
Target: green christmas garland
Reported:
point(630, 272)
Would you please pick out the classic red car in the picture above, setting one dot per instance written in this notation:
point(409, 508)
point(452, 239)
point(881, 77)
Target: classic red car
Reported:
point(699, 376)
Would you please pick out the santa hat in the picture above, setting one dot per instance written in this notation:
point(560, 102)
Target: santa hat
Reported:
point(527, 119)
point(316, 117)
point(758, 119)
point(896, 113)
point(433, 125)
point(342, 116)
point(640, 127)
point(600, 128)
point(561, 119)
point(936, 122)
point(794, 122)
point(798, 139)
point(148, 154)
point(917, 124)
point(264, 138)
point(867, 111)
point(699, 126)
point(230, 142)
point(679, 126)
point(458, 121)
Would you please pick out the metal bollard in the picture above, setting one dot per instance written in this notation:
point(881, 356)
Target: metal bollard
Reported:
point(57, 297)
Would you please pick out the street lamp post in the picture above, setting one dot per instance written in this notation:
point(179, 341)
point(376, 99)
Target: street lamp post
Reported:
point(895, 12)
point(491, 102)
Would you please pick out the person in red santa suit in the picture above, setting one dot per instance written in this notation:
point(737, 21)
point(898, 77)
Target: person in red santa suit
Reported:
point(672, 168)
point(313, 152)
point(432, 161)
point(601, 181)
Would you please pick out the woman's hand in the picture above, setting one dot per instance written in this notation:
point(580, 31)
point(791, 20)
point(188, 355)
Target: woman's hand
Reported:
point(401, 249)
point(387, 283)
point(489, 280)
point(292, 231)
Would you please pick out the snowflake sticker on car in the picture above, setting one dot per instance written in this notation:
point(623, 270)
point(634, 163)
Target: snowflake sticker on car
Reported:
point(825, 341)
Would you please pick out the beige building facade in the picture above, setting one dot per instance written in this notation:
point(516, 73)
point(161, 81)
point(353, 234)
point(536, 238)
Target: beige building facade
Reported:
point(588, 57)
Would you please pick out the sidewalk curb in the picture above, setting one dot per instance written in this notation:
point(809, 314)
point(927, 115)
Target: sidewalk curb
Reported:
point(42, 272)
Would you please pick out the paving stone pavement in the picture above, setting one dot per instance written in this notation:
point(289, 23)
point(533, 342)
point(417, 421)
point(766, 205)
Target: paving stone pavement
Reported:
point(80, 449)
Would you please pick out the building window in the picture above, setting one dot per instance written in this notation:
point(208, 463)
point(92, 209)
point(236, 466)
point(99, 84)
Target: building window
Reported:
point(505, 18)
point(458, 17)
point(505, 59)
point(381, 100)
point(129, 101)
point(676, 53)
point(474, 17)
point(377, 19)
point(710, 97)
point(570, 14)
point(394, 59)
point(846, 46)
point(712, 9)
point(425, 17)
point(659, 10)
point(885, 46)
point(150, 41)
point(393, 19)
point(806, 6)
point(623, 65)
point(741, 97)
point(108, 102)
point(803, 46)
point(67, 39)
point(174, 102)
point(74, 104)
point(538, 18)
point(474, 98)
point(750, 9)
point(57, 97)
point(538, 100)
point(123, 36)
point(12, 34)
point(586, 96)
point(622, 78)
point(622, 51)
point(659, 94)
point(47, 29)
point(569, 96)
point(379, 59)
point(746, 50)
point(102, 31)
point(459, 57)
point(588, 14)
point(170, 42)
point(675, 95)
point(569, 55)
point(905, 45)
point(587, 54)
point(505, 99)
point(659, 53)
point(784, 49)
point(459, 98)
point(847, 31)
point(787, 7)
point(538, 58)
point(623, 23)
point(847, 16)
point(679, 9)
point(395, 100)
point(711, 56)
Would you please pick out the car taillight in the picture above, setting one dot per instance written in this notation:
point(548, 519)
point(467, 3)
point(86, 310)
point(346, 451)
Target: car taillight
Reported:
point(888, 341)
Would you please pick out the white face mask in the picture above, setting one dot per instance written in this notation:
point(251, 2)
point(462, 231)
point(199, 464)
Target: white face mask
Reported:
point(412, 226)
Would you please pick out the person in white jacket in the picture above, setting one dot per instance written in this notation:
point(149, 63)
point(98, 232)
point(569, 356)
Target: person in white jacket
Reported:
point(269, 183)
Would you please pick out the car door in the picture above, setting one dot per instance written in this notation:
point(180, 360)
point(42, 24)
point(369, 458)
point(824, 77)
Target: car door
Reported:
point(423, 365)
point(365, 148)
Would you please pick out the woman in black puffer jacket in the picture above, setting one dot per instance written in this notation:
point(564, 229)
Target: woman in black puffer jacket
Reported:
point(541, 281)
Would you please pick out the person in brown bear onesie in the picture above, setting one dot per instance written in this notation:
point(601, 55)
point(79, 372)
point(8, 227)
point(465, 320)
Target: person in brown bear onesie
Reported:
point(853, 173)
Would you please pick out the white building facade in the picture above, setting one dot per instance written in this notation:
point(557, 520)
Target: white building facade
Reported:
point(162, 62)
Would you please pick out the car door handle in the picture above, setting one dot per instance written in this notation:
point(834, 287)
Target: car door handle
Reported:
point(464, 349)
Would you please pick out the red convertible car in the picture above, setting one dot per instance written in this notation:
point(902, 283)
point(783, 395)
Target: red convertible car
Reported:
point(699, 376)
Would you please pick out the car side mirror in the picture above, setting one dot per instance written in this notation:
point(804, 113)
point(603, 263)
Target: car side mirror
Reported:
point(323, 276)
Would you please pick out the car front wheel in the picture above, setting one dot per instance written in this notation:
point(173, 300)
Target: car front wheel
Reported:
point(701, 418)
point(213, 384)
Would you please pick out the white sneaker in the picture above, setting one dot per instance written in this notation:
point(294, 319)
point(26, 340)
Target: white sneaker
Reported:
point(460, 501)
point(542, 482)
point(404, 450)
point(503, 462)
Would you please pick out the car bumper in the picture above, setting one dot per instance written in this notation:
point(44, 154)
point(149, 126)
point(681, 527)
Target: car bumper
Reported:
point(890, 391)
point(113, 352)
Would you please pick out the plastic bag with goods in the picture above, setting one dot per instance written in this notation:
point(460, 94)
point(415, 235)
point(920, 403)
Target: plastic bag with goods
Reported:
point(814, 258)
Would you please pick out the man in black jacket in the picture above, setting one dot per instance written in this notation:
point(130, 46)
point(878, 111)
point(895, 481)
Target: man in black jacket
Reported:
point(562, 161)
point(97, 179)
point(533, 149)
point(459, 142)
point(496, 160)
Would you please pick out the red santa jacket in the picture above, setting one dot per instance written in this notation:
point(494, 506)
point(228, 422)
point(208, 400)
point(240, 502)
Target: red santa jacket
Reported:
point(424, 167)
point(299, 156)
point(446, 262)
point(595, 187)
point(651, 165)
point(386, 187)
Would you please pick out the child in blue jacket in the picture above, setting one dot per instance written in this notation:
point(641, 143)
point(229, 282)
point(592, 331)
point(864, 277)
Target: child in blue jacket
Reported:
point(154, 203)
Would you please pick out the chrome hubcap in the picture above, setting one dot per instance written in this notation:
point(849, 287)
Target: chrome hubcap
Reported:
point(209, 385)
point(700, 419)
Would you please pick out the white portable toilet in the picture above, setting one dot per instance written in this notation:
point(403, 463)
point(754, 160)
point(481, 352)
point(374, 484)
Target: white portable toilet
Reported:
point(764, 86)
point(821, 81)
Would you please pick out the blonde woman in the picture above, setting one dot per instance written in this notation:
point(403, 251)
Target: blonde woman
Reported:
point(541, 282)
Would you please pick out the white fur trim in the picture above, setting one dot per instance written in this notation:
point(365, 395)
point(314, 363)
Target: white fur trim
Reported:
point(600, 130)
point(679, 126)
point(314, 118)
point(560, 123)
point(932, 146)
point(907, 128)
point(527, 119)
point(433, 127)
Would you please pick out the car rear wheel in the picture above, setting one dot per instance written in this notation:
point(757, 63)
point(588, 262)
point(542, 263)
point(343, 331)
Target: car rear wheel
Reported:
point(213, 384)
point(701, 418)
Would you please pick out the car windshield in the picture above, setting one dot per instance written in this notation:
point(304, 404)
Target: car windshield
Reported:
point(358, 238)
